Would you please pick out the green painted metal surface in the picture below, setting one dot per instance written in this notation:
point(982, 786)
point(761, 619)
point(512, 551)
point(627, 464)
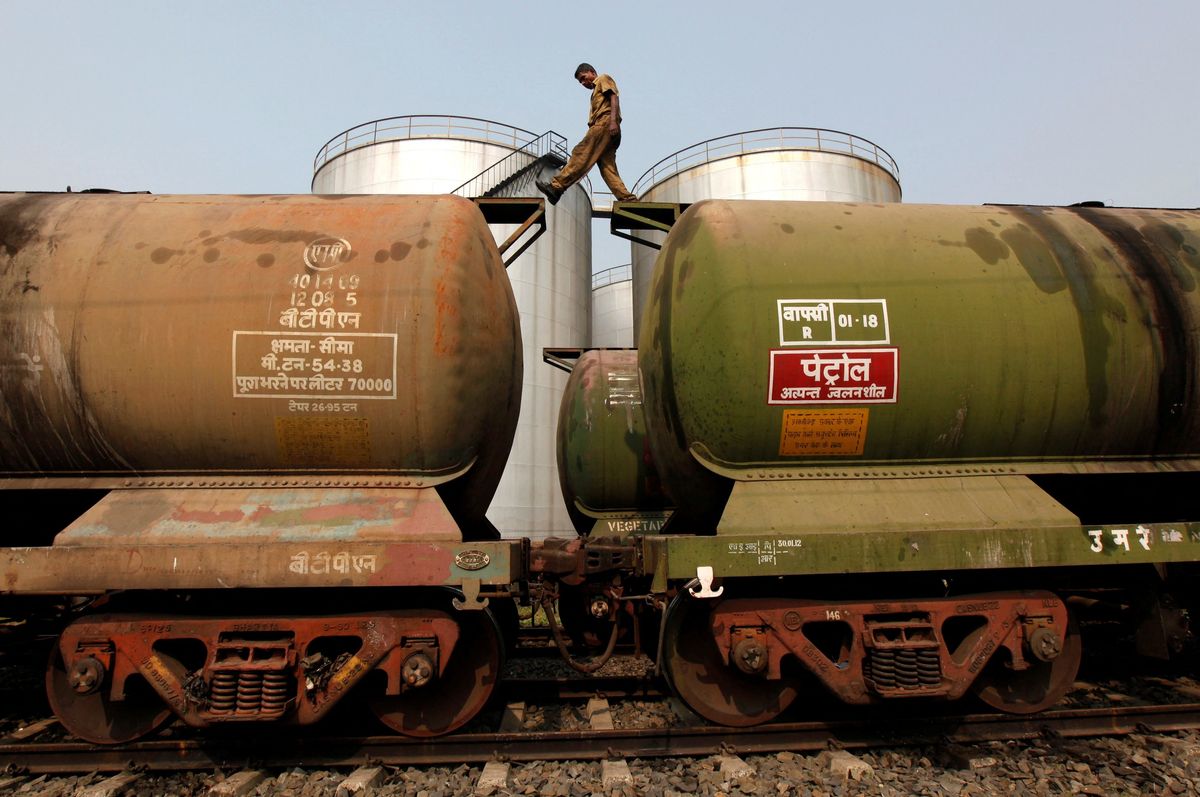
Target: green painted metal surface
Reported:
point(870, 505)
point(805, 335)
point(604, 461)
point(910, 550)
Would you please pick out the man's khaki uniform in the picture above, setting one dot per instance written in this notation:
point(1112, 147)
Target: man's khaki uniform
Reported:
point(597, 145)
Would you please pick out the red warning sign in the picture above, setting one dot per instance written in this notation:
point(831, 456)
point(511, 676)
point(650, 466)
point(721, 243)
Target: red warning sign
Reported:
point(834, 376)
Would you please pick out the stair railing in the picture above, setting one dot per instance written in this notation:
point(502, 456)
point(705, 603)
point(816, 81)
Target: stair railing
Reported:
point(548, 145)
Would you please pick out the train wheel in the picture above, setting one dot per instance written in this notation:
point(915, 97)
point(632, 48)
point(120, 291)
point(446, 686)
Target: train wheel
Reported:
point(449, 702)
point(94, 717)
point(704, 680)
point(1034, 689)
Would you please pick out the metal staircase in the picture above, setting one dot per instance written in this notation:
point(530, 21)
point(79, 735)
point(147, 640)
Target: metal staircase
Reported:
point(547, 149)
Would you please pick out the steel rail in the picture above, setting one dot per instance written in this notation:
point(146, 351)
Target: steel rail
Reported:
point(541, 690)
point(284, 750)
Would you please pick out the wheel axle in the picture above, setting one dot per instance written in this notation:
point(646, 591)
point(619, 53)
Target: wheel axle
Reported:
point(86, 675)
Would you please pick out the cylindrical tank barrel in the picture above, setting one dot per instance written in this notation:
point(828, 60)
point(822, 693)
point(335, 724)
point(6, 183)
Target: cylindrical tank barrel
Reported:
point(604, 462)
point(786, 335)
point(248, 335)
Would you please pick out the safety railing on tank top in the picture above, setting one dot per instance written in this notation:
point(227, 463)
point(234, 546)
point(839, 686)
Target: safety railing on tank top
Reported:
point(774, 138)
point(396, 128)
point(503, 171)
point(612, 275)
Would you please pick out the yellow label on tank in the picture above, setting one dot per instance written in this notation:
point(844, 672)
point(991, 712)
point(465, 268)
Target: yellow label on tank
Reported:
point(323, 441)
point(809, 433)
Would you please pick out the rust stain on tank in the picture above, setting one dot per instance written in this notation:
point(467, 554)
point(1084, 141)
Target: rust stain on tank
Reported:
point(451, 241)
point(485, 243)
point(447, 309)
point(446, 299)
point(265, 260)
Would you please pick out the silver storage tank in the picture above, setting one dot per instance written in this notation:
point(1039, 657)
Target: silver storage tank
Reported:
point(612, 308)
point(798, 163)
point(551, 279)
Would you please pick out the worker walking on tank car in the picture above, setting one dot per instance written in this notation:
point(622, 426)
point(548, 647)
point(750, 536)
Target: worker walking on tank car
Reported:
point(599, 144)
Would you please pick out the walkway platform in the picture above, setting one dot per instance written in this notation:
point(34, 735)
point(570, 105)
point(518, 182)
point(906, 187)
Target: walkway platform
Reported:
point(629, 217)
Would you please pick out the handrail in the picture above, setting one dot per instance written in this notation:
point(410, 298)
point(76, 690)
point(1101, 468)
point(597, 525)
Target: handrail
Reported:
point(612, 275)
point(394, 128)
point(767, 139)
point(494, 176)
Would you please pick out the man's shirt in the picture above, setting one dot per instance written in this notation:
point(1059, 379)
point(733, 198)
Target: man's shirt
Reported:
point(603, 91)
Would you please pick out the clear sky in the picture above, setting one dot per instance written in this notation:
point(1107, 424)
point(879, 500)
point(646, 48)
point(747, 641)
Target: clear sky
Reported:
point(1043, 102)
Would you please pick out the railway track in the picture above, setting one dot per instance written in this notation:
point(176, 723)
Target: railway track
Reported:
point(543, 714)
point(599, 741)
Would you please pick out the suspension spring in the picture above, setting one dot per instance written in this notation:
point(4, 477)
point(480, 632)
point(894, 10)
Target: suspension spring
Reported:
point(929, 668)
point(274, 692)
point(904, 669)
point(249, 693)
point(223, 694)
point(880, 668)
